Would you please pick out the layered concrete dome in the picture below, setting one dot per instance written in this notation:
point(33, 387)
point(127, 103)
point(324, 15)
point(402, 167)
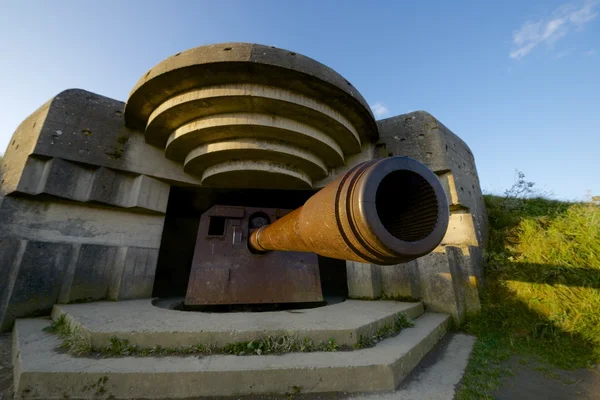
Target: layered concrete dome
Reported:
point(247, 115)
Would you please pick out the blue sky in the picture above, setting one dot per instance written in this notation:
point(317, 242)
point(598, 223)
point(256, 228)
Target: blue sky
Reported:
point(519, 81)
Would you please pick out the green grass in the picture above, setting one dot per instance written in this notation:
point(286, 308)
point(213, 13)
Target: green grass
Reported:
point(263, 346)
point(77, 342)
point(386, 331)
point(278, 345)
point(542, 290)
point(74, 340)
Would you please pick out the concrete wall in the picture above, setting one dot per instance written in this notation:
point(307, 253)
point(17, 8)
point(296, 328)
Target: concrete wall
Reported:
point(447, 280)
point(83, 201)
point(82, 205)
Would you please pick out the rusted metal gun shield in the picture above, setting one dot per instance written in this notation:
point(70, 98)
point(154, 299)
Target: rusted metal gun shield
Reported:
point(224, 271)
point(366, 192)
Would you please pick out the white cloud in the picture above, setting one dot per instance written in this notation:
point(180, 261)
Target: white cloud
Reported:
point(563, 53)
point(548, 30)
point(380, 110)
point(590, 53)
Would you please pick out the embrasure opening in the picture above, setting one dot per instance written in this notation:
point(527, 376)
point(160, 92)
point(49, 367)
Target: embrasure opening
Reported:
point(407, 205)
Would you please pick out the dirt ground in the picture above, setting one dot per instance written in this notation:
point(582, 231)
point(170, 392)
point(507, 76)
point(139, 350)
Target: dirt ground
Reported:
point(531, 380)
point(6, 382)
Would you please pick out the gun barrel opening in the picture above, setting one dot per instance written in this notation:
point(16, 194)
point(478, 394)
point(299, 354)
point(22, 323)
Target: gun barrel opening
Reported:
point(407, 205)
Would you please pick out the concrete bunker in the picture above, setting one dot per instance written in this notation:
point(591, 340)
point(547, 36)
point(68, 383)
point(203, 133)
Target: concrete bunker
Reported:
point(101, 199)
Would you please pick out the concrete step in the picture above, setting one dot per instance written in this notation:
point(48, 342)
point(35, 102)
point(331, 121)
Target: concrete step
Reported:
point(145, 325)
point(43, 372)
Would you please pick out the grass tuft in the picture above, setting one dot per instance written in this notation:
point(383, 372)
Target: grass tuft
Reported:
point(77, 342)
point(386, 331)
point(74, 340)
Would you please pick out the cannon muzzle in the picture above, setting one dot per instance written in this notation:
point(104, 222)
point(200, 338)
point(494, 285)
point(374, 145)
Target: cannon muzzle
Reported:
point(383, 212)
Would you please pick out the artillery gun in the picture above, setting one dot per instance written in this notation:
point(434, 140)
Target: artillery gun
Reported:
point(385, 212)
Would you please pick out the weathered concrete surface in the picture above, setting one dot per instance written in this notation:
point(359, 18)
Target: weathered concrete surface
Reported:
point(34, 282)
point(364, 280)
point(62, 222)
point(447, 282)
point(400, 281)
point(42, 372)
point(82, 204)
point(203, 105)
point(421, 136)
point(448, 279)
point(438, 375)
point(146, 325)
point(247, 63)
point(76, 177)
point(56, 251)
point(6, 376)
point(86, 129)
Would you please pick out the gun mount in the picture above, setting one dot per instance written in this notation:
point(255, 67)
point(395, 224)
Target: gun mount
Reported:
point(385, 212)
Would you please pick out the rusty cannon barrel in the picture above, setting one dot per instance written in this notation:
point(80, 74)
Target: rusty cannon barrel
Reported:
point(383, 212)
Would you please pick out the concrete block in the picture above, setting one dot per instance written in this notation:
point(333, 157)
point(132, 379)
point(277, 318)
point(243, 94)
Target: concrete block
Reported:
point(449, 184)
point(461, 231)
point(132, 273)
point(35, 280)
point(78, 223)
point(11, 254)
point(20, 147)
point(464, 266)
point(400, 281)
point(92, 273)
point(74, 248)
point(450, 281)
point(364, 280)
point(67, 180)
point(149, 193)
point(138, 273)
point(438, 290)
point(83, 183)
point(67, 281)
point(105, 187)
point(34, 175)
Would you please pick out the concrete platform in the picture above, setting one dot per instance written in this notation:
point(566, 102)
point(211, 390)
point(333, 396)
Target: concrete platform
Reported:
point(143, 324)
point(43, 372)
